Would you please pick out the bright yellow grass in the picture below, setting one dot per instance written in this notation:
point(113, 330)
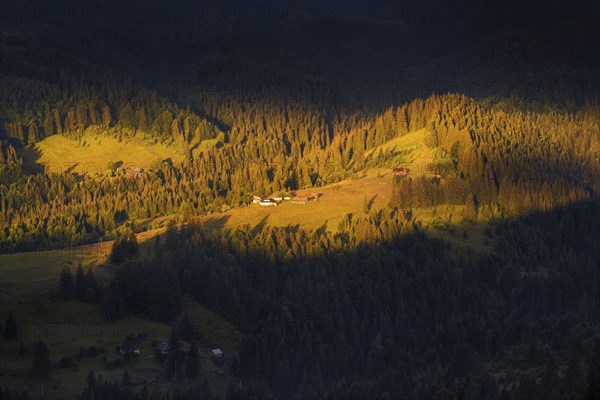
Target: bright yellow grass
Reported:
point(336, 201)
point(60, 154)
point(406, 151)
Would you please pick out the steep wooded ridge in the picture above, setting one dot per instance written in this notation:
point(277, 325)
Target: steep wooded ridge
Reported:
point(497, 118)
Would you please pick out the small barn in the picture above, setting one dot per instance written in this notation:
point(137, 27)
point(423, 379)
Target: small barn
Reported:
point(216, 353)
point(163, 347)
point(400, 171)
point(300, 200)
point(268, 202)
point(132, 173)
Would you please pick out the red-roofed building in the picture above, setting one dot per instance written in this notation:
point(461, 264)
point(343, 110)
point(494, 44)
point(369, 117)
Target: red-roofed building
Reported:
point(400, 171)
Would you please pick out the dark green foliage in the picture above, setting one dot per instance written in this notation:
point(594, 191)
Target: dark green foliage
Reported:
point(91, 351)
point(10, 327)
point(116, 363)
point(150, 291)
point(125, 380)
point(185, 329)
point(126, 246)
point(302, 311)
point(113, 306)
point(6, 394)
point(593, 380)
point(192, 366)
point(66, 287)
point(80, 284)
point(66, 362)
point(41, 360)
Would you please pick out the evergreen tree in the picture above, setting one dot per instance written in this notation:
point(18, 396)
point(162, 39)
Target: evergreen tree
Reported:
point(80, 284)
point(125, 380)
point(470, 210)
point(113, 306)
point(10, 327)
point(66, 288)
point(41, 360)
point(193, 363)
point(593, 380)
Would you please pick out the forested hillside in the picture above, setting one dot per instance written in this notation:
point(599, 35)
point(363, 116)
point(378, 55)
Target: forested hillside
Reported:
point(494, 116)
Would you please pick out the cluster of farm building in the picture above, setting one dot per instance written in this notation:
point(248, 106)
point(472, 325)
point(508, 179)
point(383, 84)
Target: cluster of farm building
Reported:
point(276, 200)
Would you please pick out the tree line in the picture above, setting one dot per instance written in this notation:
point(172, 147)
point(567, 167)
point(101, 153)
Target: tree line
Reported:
point(510, 162)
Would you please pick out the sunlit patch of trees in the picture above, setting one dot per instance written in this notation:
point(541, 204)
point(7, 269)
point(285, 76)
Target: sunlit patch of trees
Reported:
point(499, 162)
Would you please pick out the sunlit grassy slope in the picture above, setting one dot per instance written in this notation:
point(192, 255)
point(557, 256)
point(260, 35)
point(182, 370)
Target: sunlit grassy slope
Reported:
point(348, 197)
point(59, 154)
point(407, 150)
point(373, 186)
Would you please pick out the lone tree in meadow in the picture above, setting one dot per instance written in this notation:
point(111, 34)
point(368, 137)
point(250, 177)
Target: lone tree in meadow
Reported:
point(41, 360)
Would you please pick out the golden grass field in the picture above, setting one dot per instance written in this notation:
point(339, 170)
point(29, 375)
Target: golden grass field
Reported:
point(60, 154)
point(91, 155)
point(348, 197)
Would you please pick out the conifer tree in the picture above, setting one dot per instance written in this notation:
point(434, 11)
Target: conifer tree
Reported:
point(10, 327)
point(65, 284)
point(41, 360)
point(593, 380)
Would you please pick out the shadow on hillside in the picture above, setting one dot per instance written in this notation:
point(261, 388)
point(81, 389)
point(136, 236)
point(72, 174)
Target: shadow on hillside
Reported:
point(260, 226)
point(330, 302)
point(216, 223)
point(31, 156)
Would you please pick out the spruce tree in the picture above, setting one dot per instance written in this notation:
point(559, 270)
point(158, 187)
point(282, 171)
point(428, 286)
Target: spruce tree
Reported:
point(65, 284)
point(125, 380)
point(193, 363)
point(41, 360)
point(593, 390)
point(80, 285)
point(10, 327)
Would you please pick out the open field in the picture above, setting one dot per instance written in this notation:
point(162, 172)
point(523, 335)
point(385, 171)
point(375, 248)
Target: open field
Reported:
point(65, 327)
point(404, 151)
point(60, 154)
point(32, 276)
point(348, 197)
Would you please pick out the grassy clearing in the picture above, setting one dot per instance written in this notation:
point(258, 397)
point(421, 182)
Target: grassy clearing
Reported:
point(33, 276)
point(91, 155)
point(336, 201)
point(348, 197)
point(66, 327)
point(213, 330)
point(404, 151)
